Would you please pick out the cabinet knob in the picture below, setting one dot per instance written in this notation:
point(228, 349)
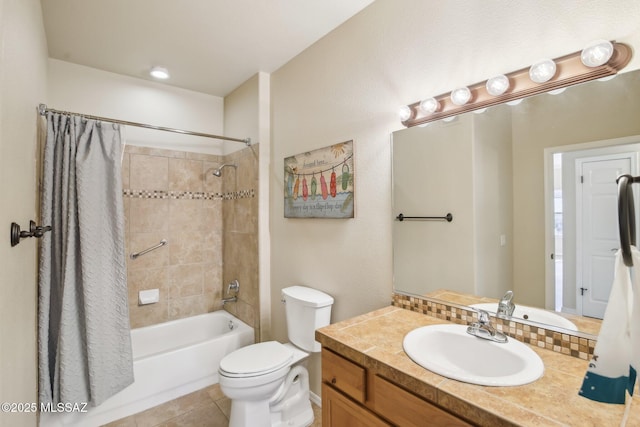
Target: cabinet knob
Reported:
point(333, 380)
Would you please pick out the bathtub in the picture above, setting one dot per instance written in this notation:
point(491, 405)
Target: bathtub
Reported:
point(170, 360)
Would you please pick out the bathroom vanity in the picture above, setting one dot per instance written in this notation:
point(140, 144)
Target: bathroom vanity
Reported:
point(368, 380)
point(376, 398)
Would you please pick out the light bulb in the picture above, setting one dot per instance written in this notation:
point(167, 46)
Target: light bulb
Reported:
point(480, 111)
point(606, 79)
point(429, 105)
point(597, 53)
point(497, 85)
point(460, 96)
point(159, 73)
point(404, 113)
point(557, 91)
point(542, 71)
point(515, 102)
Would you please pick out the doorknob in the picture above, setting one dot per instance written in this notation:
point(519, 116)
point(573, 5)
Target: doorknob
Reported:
point(582, 290)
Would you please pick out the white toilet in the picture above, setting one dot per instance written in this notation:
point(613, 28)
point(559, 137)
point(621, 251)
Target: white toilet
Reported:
point(267, 384)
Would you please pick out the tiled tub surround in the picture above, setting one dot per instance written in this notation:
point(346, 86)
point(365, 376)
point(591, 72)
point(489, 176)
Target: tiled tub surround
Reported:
point(577, 344)
point(374, 341)
point(240, 234)
point(168, 196)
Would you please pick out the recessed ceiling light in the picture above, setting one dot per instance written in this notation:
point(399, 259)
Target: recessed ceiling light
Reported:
point(159, 73)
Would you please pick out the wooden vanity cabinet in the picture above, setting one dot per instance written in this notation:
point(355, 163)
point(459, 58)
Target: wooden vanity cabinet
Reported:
point(353, 396)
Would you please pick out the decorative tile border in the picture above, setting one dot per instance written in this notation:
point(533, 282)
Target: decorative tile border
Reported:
point(570, 345)
point(188, 195)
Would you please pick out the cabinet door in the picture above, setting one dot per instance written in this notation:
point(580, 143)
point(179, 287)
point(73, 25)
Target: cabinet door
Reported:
point(344, 375)
point(340, 411)
point(406, 409)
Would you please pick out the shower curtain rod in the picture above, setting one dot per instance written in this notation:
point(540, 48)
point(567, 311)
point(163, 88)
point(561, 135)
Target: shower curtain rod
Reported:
point(42, 109)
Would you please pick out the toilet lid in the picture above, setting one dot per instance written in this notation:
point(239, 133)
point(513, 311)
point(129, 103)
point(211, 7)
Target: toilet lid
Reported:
point(255, 359)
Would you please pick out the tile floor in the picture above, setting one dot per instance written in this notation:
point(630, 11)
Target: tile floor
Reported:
point(203, 408)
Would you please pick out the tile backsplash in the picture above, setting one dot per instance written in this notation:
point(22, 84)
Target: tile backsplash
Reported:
point(568, 344)
point(172, 195)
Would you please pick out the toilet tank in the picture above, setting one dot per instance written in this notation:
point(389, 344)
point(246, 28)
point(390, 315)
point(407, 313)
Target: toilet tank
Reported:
point(306, 310)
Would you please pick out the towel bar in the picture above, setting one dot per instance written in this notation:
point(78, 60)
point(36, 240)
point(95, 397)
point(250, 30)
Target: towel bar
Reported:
point(626, 216)
point(448, 217)
point(34, 231)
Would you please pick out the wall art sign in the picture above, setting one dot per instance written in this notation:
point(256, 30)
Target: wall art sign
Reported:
point(319, 183)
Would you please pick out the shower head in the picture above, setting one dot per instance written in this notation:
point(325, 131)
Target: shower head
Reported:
point(218, 172)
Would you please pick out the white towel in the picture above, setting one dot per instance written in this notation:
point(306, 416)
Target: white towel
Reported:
point(616, 357)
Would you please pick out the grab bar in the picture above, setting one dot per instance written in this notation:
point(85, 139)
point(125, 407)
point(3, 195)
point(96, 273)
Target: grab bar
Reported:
point(153, 248)
point(448, 217)
point(626, 216)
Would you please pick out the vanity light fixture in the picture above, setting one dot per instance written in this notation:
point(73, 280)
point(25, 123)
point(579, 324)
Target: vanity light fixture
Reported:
point(594, 62)
point(160, 73)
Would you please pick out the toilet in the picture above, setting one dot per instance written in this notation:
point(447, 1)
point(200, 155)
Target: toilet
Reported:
point(267, 382)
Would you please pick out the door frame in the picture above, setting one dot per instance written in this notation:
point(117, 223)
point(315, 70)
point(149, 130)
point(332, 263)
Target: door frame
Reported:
point(608, 146)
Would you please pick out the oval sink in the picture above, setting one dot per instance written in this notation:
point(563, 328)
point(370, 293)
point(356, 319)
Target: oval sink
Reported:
point(450, 351)
point(537, 315)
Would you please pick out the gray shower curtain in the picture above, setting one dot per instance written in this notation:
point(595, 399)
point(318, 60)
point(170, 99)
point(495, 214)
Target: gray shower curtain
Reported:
point(83, 318)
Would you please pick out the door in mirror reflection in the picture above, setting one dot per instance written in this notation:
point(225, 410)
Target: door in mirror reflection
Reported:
point(587, 179)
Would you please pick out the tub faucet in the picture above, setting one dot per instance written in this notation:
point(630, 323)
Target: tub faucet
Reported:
point(506, 305)
point(234, 286)
point(230, 299)
point(483, 329)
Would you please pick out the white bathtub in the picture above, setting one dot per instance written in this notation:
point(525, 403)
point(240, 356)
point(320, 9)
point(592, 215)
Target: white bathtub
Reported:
point(170, 360)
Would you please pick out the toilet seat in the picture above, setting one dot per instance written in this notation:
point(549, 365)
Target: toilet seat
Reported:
point(256, 360)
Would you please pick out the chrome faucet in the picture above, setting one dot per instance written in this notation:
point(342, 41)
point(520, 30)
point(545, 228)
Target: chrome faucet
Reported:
point(506, 305)
point(234, 286)
point(483, 329)
point(230, 299)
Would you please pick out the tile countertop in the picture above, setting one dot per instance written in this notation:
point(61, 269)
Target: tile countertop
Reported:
point(374, 340)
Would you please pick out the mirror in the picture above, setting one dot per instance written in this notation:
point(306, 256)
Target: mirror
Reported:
point(508, 176)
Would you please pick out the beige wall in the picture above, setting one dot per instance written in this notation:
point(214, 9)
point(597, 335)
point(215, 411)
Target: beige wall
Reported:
point(493, 202)
point(87, 90)
point(433, 175)
point(23, 65)
point(350, 84)
point(460, 167)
